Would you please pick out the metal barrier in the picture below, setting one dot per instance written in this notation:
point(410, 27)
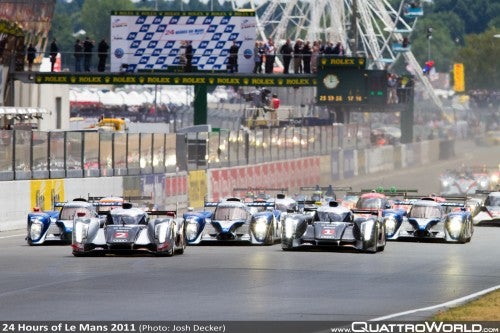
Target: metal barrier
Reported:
point(28, 154)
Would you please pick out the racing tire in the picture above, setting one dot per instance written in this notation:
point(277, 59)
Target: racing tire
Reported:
point(170, 253)
point(182, 247)
point(374, 247)
point(286, 247)
point(270, 236)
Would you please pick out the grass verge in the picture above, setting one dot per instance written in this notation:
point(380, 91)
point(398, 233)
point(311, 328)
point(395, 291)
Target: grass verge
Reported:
point(486, 308)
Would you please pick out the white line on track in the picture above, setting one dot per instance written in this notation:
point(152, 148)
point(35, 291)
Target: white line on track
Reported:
point(12, 236)
point(452, 303)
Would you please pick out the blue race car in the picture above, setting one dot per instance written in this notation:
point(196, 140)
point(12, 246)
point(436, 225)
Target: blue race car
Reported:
point(57, 225)
point(233, 221)
point(432, 218)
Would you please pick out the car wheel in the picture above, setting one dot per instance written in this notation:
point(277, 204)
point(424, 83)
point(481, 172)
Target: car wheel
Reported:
point(286, 246)
point(374, 241)
point(270, 236)
point(182, 245)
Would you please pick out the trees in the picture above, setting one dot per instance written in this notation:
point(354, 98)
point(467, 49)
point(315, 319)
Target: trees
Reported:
point(480, 59)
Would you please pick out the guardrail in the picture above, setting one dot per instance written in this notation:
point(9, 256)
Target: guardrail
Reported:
point(28, 154)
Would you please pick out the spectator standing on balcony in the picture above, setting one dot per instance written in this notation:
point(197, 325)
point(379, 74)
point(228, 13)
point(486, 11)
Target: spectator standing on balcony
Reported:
point(306, 57)
point(258, 57)
point(189, 57)
point(88, 46)
point(31, 55)
point(392, 82)
point(78, 53)
point(286, 52)
point(232, 65)
point(339, 50)
point(297, 56)
point(102, 54)
point(270, 56)
point(54, 50)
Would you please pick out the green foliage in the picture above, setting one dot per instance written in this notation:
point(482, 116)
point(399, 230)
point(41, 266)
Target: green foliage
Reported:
point(480, 58)
point(95, 16)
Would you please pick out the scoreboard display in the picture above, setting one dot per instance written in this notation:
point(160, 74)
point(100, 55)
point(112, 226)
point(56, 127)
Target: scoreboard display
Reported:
point(153, 40)
point(341, 80)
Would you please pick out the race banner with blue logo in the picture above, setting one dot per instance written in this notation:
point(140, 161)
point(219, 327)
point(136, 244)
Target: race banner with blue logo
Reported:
point(154, 40)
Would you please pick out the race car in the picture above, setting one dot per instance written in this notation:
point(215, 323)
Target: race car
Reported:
point(392, 213)
point(56, 226)
point(465, 181)
point(489, 212)
point(334, 225)
point(323, 194)
point(432, 218)
point(234, 221)
point(129, 230)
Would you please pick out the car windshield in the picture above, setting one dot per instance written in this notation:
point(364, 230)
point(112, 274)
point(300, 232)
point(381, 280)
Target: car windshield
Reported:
point(425, 212)
point(230, 213)
point(286, 207)
point(332, 217)
point(492, 201)
point(127, 219)
point(370, 203)
point(68, 213)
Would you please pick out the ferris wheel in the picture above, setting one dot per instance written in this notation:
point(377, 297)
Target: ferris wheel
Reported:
point(370, 28)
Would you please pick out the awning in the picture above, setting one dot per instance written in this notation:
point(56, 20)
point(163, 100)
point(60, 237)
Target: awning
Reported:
point(23, 112)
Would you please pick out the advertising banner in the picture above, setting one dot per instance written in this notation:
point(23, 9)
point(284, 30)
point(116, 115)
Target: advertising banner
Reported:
point(156, 40)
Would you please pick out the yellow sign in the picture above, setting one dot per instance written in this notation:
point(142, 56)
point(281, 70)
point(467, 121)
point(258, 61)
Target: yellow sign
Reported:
point(197, 188)
point(45, 192)
point(458, 78)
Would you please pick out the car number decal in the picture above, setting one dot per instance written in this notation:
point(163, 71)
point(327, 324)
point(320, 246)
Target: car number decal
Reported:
point(328, 232)
point(121, 234)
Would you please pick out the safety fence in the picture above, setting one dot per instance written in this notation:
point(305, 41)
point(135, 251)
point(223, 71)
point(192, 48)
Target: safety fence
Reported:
point(28, 155)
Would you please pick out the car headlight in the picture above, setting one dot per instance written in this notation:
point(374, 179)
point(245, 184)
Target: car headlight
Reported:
point(390, 225)
point(290, 224)
point(161, 232)
point(36, 229)
point(191, 230)
point(484, 184)
point(494, 178)
point(367, 229)
point(455, 226)
point(260, 227)
point(80, 232)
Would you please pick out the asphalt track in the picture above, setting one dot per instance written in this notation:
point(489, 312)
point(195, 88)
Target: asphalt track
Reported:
point(242, 283)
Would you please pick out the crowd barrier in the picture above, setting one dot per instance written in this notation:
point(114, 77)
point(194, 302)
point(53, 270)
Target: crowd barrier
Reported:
point(283, 158)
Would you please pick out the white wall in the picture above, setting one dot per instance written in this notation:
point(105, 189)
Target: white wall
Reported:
point(44, 96)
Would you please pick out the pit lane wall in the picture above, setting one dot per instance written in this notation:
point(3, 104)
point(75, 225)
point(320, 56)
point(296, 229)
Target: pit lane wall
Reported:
point(189, 188)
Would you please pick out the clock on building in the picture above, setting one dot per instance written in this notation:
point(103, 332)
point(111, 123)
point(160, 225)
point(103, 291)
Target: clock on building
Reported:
point(331, 81)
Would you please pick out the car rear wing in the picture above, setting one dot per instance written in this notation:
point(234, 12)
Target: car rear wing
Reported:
point(60, 204)
point(260, 189)
point(391, 192)
point(125, 198)
point(375, 212)
point(261, 204)
point(325, 188)
point(169, 213)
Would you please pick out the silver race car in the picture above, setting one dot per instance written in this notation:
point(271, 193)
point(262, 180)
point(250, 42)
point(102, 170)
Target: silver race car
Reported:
point(129, 230)
point(489, 213)
point(333, 225)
